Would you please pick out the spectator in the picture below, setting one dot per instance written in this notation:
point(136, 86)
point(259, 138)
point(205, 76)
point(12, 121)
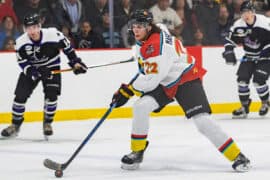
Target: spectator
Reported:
point(7, 10)
point(267, 5)
point(122, 12)
point(57, 12)
point(31, 6)
point(104, 29)
point(198, 38)
point(164, 14)
point(95, 10)
point(267, 13)
point(230, 7)
point(207, 17)
point(9, 44)
point(237, 4)
point(46, 19)
point(260, 6)
point(68, 34)
point(87, 38)
point(73, 13)
point(143, 4)
point(224, 24)
point(7, 2)
point(185, 13)
point(128, 38)
point(8, 29)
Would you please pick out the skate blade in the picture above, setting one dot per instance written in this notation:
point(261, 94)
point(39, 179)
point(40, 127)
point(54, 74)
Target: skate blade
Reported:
point(240, 117)
point(134, 166)
point(243, 168)
point(9, 137)
point(263, 114)
point(46, 138)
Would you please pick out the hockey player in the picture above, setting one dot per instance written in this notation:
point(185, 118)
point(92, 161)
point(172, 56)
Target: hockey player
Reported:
point(38, 54)
point(167, 72)
point(253, 32)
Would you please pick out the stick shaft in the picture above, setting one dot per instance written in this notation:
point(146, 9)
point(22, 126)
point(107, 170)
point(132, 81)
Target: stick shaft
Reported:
point(93, 130)
point(89, 135)
point(57, 166)
point(94, 66)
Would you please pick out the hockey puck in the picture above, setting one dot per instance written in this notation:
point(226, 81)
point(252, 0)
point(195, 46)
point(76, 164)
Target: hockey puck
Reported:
point(58, 173)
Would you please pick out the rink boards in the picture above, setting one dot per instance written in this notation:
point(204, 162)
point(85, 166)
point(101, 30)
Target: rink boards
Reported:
point(88, 96)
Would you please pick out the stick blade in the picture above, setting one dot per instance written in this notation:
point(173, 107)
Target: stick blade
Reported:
point(52, 164)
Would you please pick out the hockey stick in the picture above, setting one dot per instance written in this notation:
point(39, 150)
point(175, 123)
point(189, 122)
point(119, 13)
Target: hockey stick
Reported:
point(58, 167)
point(61, 167)
point(94, 66)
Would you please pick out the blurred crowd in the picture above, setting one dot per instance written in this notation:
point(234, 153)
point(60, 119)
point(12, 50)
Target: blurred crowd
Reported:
point(87, 23)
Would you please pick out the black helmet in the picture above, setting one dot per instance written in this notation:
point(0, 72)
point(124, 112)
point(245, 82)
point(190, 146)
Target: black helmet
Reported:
point(31, 19)
point(247, 6)
point(142, 16)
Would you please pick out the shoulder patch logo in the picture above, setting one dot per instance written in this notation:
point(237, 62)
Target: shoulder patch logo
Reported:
point(240, 31)
point(28, 49)
point(150, 49)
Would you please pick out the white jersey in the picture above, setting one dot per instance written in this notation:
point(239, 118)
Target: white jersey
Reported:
point(255, 38)
point(45, 52)
point(162, 60)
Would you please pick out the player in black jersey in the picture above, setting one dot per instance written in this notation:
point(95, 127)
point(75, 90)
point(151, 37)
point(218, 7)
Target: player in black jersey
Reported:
point(38, 54)
point(253, 32)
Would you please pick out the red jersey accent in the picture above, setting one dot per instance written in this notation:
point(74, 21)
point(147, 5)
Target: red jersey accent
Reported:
point(151, 47)
point(194, 73)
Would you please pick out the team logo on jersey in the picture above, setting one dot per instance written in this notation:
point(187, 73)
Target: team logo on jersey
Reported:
point(252, 44)
point(240, 31)
point(150, 49)
point(28, 49)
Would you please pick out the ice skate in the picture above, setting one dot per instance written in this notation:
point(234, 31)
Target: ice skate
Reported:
point(241, 163)
point(242, 112)
point(264, 108)
point(132, 161)
point(11, 131)
point(47, 130)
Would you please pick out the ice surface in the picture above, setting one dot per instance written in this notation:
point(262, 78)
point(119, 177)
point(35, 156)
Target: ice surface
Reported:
point(176, 151)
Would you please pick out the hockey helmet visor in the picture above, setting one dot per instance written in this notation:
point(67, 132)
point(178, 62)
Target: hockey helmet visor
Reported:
point(31, 19)
point(247, 6)
point(140, 17)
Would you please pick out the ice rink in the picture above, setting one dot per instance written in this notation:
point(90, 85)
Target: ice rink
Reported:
point(176, 151)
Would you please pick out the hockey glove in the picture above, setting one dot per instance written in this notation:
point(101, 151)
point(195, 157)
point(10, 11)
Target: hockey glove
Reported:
point(122, 96)
point(45, 73)
point(229, 57)
point(78, 66)
point(32, 73)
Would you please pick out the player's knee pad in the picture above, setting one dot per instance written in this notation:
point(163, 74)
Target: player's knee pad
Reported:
point(260, 77)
